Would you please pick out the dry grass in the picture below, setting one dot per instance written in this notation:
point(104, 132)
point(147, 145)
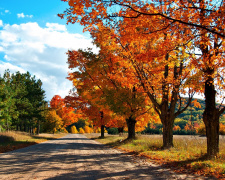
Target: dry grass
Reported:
point(13, 140)
point(188, 152)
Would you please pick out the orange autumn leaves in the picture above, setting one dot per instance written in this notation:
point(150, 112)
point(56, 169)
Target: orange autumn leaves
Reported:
point(59, 115)
point(160, 49)
point(94, 83)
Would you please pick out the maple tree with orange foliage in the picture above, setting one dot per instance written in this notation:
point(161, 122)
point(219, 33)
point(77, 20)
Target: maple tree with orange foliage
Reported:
point(65, 113)
point(108, 98)
point(140, 58)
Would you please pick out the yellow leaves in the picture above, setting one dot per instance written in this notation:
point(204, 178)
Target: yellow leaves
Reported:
point(73, 130)
point(81, 131)
point(87, 129)
point(54, 121)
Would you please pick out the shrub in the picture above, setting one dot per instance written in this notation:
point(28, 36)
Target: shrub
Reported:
point(87, 129)
point(74, 130)
point(113, 131)
point(149, 130)
point(81, 131)
point(184, 132)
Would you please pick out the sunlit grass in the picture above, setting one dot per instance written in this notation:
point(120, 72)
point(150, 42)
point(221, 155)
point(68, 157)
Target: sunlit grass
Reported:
point(188, 152)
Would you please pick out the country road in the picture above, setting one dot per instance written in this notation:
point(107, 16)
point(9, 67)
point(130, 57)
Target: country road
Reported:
point(76, 157)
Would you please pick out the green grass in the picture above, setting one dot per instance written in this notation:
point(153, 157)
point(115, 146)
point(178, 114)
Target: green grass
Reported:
point(13, 140)
point(188, 153)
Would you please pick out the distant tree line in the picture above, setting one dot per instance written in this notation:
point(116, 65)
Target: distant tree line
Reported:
point(22, 102)
point(190, 122)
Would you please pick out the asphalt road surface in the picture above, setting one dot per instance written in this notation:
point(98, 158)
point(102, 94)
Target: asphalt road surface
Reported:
point(76, 157)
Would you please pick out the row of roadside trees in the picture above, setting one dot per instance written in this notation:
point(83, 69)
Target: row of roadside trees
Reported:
point(150, 53)
point(23, 106)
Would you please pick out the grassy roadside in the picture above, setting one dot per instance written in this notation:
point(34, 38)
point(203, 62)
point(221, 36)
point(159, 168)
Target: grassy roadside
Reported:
point(187, 155)
point(13, 140)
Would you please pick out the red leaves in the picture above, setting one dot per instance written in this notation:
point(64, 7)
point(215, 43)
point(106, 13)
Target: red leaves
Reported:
point(56, 102)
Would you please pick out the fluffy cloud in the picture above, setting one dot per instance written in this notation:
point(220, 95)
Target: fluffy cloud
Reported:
point(21, 15)
point(42, 52)
point(55, 27)
point(4, 66)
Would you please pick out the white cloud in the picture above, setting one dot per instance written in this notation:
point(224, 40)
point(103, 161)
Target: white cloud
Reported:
point(1, 23)
point(55, 27)
point(21, 15)
point(42, 52)
point(7, 11)
point(13, 69)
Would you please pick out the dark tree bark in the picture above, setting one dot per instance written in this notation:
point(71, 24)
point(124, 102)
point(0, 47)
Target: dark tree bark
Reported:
point(102, 126)
point(102, 131)
point(25, 128)
point(167, 113)
point(38, 127)
point(167, 132)
point(131, 127)
point(211, 113)
point(211, 118)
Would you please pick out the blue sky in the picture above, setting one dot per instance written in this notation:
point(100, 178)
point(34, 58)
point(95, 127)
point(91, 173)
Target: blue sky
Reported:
point(33, 38)
point(43, 11)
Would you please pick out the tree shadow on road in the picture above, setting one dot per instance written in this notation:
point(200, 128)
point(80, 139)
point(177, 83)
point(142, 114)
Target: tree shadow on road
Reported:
point(77, 160)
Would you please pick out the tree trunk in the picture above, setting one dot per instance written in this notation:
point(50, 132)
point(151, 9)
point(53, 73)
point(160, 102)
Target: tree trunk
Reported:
point(25, 128)
point(131, 127)
point(102, 131)
point(212, 134)
point(167, 132)
point(211, 118)
point(38, 127)
point(165, 112)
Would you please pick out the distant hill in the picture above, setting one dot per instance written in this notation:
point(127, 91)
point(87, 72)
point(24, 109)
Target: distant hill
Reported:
point(196, 114)
point(193, 115)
